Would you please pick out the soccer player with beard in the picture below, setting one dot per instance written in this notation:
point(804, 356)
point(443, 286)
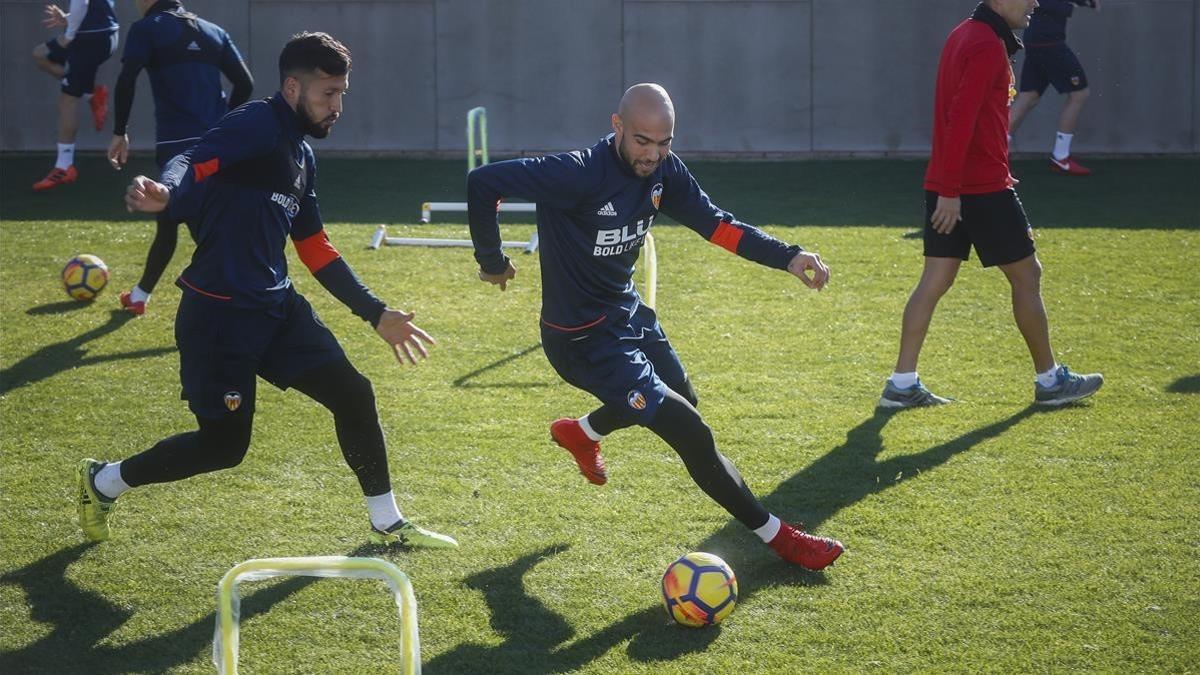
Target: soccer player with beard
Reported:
point(242, 189)
point(595, 207)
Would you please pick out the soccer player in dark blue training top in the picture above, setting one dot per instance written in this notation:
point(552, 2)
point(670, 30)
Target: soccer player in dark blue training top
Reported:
point(243, 189)
point(1048, 60)
point(73, 58)
point(185, 56)
point(594, 208)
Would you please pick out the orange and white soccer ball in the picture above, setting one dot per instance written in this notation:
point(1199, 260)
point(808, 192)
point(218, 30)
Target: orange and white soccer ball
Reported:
point(699, 590)
point(84, 277)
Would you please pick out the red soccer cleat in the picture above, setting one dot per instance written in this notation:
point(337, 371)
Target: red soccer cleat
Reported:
point(569, 435)
point(127, 304)
point(808, 551)
point(99, 103)
point(1069, 166)
point(57, 177)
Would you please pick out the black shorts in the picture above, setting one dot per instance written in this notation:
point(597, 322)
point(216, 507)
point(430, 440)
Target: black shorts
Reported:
point(1052, 64)
point(82, 58)
point(222, 348)
point(993, 222)
point(629, 365)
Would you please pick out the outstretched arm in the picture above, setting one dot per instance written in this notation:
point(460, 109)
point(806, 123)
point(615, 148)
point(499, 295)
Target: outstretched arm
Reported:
point(552, 180)
point(334, 273)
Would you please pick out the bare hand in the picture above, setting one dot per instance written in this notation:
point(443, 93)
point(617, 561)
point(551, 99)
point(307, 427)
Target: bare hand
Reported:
point(807, 260)
point(946, 215)
point(397, 329)
point(55, 17)
point(146, 195)
point(118, 151)
point(501, 279)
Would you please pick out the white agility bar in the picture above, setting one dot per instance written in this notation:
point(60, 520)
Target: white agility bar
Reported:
point(380, 238)
point(651, 263)
point(428, 208)
point(225, 639)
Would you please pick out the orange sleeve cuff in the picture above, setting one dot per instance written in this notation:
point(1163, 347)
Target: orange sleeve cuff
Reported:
point(727, 236)
point(205, 169)
point(316, 251)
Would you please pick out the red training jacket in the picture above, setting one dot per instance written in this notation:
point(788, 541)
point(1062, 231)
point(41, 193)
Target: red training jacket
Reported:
point(975, 87)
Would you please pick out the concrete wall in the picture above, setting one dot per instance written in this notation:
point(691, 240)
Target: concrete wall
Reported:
point(748, 77)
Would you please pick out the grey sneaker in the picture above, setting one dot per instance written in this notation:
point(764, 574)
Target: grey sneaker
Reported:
point(916, 396)
point(403, 532)
point(1068, 387)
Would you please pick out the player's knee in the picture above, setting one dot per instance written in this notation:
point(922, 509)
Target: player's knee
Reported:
point(225, 442)
point(360, 392)
point(1080, 95)
point(688, 392)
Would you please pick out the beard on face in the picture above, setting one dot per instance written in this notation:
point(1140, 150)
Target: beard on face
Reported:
point(311, 127)
point(632, 164)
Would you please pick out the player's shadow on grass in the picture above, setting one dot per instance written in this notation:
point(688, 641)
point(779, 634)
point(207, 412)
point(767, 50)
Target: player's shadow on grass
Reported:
point(844, 476)
point(1185, 385)
point(466, 381)
point(60, 356)
point(80, 619)
point(57, 308)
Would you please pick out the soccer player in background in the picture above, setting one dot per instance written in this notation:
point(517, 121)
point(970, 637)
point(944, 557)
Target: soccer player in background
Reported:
point(242, 189)
point(595, 207)
point(970, 201)
point(185, 56)
point(1048, 60)
point(89, 39)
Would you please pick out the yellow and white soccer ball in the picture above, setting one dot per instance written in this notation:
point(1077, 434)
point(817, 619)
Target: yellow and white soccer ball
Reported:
point(84, 277)
point(699, 590)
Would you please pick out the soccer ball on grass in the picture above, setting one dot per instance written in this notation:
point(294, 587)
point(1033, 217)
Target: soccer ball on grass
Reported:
point(699, 590)
point(84, 277)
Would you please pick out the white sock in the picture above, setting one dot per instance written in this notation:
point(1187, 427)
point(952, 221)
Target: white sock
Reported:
point(1048, 378)
point(108, 481)
point(66, 156)
point(588, 430)
point(767, 532)
point(383, 510)
point(138, 295)
point(1062, 145)
point(903, 380)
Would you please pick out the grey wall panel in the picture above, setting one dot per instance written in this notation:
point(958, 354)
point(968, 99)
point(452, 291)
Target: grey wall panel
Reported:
point(874, 72)
point(390, 106)
point(1141, 69)
point(549, 72)
point(32, 125)
point(747, 76)
point(737, 71)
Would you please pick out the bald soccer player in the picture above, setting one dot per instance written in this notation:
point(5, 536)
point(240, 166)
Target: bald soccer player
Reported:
point(595, 207)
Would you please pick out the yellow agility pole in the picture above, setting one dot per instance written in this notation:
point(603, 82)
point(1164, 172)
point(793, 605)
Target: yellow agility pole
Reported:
point(225, 637)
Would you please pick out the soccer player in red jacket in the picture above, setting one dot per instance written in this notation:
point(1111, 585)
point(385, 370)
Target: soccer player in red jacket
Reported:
point(970, 201)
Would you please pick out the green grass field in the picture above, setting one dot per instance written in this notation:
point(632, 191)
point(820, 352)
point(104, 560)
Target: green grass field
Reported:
point(984, 536)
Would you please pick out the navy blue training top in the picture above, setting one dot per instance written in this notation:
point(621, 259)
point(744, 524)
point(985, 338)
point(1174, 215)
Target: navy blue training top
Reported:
point(185, 56)
point(593, 214)
point(1048, 25)
point(101, 17)
point(243, 189)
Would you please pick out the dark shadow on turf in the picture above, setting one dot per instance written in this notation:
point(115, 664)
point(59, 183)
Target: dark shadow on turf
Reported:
point(1185, 385)
point(841, 478)
point(529, 628)
point(466, 383)
point(61, 356)
point(80, 619)
point(57, 308)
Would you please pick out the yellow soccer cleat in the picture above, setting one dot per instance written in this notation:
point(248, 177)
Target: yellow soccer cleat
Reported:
point(93, 508)
point(403, 532)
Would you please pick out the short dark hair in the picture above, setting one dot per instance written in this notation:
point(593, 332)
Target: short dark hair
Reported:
point(306, 52)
